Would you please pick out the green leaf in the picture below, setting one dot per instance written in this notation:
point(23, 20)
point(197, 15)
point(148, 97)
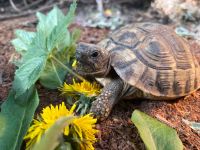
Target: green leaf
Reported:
point(58, 35)
point(54, 135)
point(47, 23)
point(20, 46)
point(36, 49)
point(156, 135)
point(39, 43)
point(23, 40)
point(55, 20)
point(70, 15)
point(53, 75)
point(65, 43)
point(41, 19)
point(16, 117)
point(28, 74)
point(25, 36)
point(59, 31)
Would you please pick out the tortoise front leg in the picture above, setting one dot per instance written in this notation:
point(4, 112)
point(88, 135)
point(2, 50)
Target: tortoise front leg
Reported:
point(109, 96)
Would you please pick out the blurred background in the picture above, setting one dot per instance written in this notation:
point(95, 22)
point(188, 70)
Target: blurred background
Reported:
point(183, 15)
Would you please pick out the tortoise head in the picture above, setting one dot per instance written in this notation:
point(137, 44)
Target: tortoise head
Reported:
point(92, 59)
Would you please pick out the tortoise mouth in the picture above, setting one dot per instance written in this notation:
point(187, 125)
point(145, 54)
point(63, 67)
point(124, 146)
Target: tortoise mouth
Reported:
point(89, 69)
point(84, 68)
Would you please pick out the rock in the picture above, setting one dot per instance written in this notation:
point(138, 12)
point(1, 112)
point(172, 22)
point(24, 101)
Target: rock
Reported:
point(179, 9)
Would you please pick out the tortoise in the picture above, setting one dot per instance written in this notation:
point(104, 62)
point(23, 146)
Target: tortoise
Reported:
point(142, 60)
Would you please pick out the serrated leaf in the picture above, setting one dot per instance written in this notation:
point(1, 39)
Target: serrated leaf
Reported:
point(65, 43)
point(25, 36)
point(28, 74)
point(29, 45)
point(41, 18)
point(156, 135)
point(16, 118)
point(51, 138)
point(39, 42)
point(54, 18)
point(70, 15)
point(59, 31)
point(23, 40)
point(20, 47)
point(36, 49)
point(42, 23)
point(49, 21)
point(56, 37)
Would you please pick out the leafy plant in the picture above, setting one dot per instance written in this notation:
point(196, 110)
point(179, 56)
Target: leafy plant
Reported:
point(155, 135)
point(44, 54)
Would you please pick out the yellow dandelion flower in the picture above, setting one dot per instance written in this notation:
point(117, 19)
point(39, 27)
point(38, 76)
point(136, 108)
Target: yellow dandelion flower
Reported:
point(86, 88)
point(84, 127)
point(84, 124)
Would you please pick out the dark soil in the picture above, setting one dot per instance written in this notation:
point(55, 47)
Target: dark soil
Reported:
point(117, 132)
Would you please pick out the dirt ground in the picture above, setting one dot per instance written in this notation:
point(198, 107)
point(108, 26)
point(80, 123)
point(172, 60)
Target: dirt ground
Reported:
point(117, 132)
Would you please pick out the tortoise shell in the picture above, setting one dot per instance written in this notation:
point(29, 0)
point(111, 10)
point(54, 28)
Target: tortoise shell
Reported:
point(154, 59)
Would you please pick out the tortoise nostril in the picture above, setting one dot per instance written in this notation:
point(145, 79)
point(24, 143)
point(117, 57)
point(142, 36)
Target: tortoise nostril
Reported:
point(95, 54)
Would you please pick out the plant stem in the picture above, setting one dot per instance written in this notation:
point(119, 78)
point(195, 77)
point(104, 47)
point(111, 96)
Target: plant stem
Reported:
point(54, 68)
point(67, 68)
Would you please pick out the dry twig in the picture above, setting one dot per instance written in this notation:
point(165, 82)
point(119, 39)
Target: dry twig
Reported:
point(30, 12)
point(14, 6)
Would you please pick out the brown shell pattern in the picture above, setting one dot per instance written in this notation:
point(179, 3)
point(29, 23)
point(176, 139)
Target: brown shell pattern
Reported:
point(154, 59)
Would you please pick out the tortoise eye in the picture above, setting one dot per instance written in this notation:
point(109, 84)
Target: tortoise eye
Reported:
point(94, 54)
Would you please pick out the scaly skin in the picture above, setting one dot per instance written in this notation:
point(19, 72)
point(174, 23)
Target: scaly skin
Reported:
point(109, 96)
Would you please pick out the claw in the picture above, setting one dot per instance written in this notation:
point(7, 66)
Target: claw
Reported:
point(100, 109)
point(104, 103)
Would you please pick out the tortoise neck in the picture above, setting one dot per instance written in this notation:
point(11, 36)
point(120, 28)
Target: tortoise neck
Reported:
point(108, 67)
